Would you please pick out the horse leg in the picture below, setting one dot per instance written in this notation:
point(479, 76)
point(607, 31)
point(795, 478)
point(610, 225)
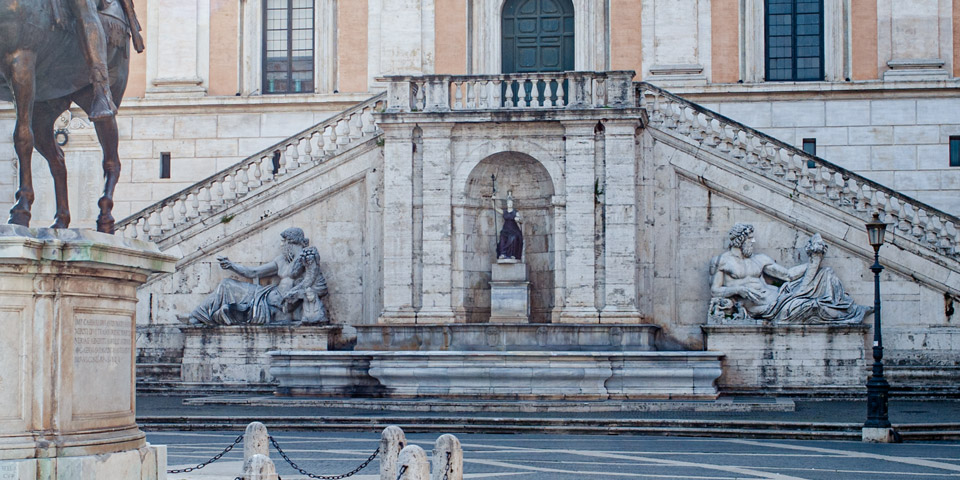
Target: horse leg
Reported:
point(43, 120)
point(109, 140)
point(20, 70)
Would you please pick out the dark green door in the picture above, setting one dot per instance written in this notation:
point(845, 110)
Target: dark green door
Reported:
point(537, 36)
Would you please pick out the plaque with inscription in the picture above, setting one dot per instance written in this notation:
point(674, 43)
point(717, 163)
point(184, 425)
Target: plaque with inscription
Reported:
point(103, 356)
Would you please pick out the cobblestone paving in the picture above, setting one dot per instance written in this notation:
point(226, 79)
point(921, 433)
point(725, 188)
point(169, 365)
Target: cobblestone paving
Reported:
point(572, 457)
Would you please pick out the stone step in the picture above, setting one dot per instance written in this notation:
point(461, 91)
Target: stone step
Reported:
point(666, 427)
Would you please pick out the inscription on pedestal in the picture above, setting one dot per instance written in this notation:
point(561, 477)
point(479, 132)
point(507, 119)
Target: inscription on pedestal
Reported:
point(102, 355)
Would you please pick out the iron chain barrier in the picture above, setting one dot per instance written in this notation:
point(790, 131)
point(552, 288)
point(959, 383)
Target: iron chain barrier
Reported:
point(446, 470)
point(322, 477)
point(214, 459)
point(403, 469)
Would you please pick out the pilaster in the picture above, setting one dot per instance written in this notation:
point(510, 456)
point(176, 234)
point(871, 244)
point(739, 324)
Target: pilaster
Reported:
point(579, 304)
point(397, 224)
point(620, 217)
point(437, 225)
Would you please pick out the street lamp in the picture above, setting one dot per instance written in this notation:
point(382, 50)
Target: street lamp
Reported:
point(877, 426)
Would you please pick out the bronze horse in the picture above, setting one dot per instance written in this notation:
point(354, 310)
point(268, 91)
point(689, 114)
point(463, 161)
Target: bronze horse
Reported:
point(42, 70)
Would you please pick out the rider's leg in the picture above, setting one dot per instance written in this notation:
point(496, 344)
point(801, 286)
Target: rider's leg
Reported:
point(94, 43)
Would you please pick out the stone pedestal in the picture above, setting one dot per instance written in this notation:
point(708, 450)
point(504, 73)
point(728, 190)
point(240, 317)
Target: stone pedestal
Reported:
point(237, 354)
point(509, 292)
point(813, 358)
point(67, 314)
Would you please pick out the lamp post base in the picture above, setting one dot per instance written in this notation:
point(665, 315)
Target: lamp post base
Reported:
point(879, 435)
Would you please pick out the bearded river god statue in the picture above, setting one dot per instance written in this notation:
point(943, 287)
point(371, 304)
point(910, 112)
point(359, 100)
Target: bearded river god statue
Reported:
point(297, 298)
point(808, 294)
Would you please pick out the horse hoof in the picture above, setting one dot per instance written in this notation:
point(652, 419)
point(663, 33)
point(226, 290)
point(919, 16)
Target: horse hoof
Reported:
point(105, 225)
point(59, 224)
point(19, 218)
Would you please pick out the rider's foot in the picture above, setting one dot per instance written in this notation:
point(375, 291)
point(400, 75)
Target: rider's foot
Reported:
point(103, 107)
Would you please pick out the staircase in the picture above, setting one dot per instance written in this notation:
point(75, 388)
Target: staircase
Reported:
point(257, 175)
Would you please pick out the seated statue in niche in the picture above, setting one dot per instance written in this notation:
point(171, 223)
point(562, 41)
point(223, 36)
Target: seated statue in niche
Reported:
point(808, 293)
point(510, 241)
point(298, 297)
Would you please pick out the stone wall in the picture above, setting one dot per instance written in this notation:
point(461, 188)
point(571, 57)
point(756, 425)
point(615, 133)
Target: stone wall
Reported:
point(690, 216)
point(899, 141)
point(336, 206)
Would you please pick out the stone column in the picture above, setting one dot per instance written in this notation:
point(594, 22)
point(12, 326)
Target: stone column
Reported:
point(437, 247)
point(397, 224)
point(579, 300)
point(620, 235)
point(68, 303)
point(178, 58)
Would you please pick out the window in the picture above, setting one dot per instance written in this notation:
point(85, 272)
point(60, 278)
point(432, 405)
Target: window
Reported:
point(165, 165)
point(810, 146)
point(288, 29)
point(955, 151)
point(794, 40)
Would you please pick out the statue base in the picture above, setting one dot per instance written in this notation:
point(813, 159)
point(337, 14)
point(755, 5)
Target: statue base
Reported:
point(68, 300)
point(238, 354)
point(805, 358)
point(509, 292)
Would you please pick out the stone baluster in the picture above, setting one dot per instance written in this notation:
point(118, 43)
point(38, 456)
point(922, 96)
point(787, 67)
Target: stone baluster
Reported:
point(331, 143)
point(421, 97)
point(182, 209)
point(155, 229)
point(281, 163)
point(216, 194)
point(471, 91)
point(845, 195)
point(560, 101)
point(931, 225)
point(511, 98)
point(130, 229)
point(739, 145)
point(343, 133)
point(548, 99)
point(243, 187)
point(764, 156)
point(144, 224)
point(292, 152)
point(266, 166)
point(447, 459)
point(412, 464)
point(781, 161)
point(308, 149)
point(696, 126)
point(195, 204)
point(495, 91)
point(392, 441)
point(714, 128)
point(834, 185)
point(369, 123)
point(820, 179)
point(726, 142)
point(656, 114)
point(458, 95)
point(945, 239)
point(231, 181)
point(356, 126)
point(319, 153)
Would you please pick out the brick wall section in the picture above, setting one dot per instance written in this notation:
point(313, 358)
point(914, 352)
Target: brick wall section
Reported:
point(625, 52)
point(725, 42)
point(224, 56)
point(864, 39)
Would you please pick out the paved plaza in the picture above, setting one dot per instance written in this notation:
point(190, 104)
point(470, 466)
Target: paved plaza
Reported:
point(578, 457)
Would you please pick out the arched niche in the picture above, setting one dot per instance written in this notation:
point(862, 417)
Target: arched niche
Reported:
point(478, 225)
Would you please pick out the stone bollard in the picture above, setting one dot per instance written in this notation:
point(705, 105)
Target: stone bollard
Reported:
point(259, 467)
point(392, 440)
point(256, 441)
point(447, 459)
point(412, 464)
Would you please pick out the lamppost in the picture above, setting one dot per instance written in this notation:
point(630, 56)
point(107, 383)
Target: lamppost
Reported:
point(877, 428)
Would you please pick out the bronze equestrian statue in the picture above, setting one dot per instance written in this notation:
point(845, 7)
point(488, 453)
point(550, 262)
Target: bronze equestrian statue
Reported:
point(52, 53)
